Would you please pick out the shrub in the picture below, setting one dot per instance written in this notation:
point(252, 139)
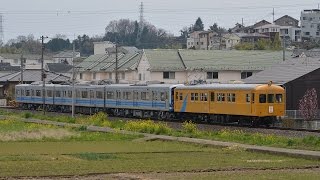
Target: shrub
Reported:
point(189, 127)
point(147, 126)
point(27, 115)
point(99, 119)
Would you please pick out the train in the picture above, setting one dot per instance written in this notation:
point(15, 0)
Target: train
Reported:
point(254, 104)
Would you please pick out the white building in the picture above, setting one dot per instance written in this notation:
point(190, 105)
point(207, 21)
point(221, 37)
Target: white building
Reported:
point(65, 57)
point(100, 47)
point(310, 24)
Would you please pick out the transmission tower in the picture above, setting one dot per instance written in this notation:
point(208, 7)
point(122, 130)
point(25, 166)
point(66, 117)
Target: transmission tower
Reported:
point(141, 25)
point(1, 29)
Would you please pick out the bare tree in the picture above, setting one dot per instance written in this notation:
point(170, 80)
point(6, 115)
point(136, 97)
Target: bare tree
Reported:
point(308, 105)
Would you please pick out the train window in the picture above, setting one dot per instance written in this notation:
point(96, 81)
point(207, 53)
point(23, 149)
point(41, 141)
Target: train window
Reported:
point(192, 97)
point(279, 98)
point(22, 93)
point(110, 95)
point(155, 95)
point(69, 94)
point(118, 95)
point(78, 94)
point(91, 94)
point(212, 96)
point(163, 96)
point(248, 98)
point(17, 92)
point(32, 92)
point(270, 98)
point(196, 96)
point(58, 94)
point(203, 97)
point(128, 95)
point(231, 97)
point(49, 93)
point(84, 94)
point(38, 93)
point(135, 95)
point(144, 95)
point(262, 98)
point(27, 92)
point(99, 95)
point(180, 96)
point(220, 97)
point(64, 93)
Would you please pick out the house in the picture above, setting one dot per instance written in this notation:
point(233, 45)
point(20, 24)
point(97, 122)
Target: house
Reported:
point(9, 80)
point(296, 75)
point(193, 41)
point(66, 57)
point(187, 66)
point(287, 21)
point(310, 26)
point(102, 66)
point(203, 40)
point(31, 61)
point(100, 47)
point(229, 41)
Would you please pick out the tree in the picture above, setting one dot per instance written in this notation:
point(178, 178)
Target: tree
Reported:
point(217, 29)
point(198, 26)
point(308, 105)
point(58, 44)
point(276, 44)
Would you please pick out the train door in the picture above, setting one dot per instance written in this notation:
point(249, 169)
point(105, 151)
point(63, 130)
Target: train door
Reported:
point(118, 97)
point(154, 99)
point(135, 98)
point(211, 102)
point(92, 98)
point(253, 107)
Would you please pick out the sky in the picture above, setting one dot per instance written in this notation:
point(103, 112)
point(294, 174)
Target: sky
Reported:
point(77, 17)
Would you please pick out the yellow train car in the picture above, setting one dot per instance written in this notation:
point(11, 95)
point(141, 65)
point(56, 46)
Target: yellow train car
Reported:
point(231, 102)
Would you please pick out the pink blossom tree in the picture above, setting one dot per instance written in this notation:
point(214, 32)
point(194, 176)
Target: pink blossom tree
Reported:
point(308, 105)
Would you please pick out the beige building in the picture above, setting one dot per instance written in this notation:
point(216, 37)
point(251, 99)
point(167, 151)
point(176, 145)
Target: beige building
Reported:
point(229, 41)
point(100, 47)
point(203, 40)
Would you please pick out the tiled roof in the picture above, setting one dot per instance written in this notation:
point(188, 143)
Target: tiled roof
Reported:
point(33, 75)
point(8, 67)
point(230, 60)
point(59, 67)
point(128, 58)
point(65, 54)
point(164, 60)
point(27, 56)
point(285, 71)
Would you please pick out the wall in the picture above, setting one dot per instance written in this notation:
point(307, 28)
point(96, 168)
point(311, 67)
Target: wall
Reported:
point(180, 77)
point(100, 47)
point(143, 69)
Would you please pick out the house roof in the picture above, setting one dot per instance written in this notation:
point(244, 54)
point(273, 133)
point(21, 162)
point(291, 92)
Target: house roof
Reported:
point(307, 53)
point(8, 67)
point(230, 60)
point(34, 75)
point(286, 71)
point(128, 59)
point(248, 35)
point(260, 23)
point(59, 67)
point(65, 54)
point(161, 59)
point(286, 16)
point(27, 56)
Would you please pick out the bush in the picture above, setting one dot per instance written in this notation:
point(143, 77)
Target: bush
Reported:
point(189, 127)
point(27, 115)
point(99, 119)
point(147, 126)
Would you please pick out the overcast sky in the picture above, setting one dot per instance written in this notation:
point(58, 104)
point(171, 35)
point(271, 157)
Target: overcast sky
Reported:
point(69, 17)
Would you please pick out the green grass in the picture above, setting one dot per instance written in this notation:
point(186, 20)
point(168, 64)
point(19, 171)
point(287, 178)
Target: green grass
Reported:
point(75, 158)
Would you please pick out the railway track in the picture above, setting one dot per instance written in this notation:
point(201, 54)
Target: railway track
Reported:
point(288, 132)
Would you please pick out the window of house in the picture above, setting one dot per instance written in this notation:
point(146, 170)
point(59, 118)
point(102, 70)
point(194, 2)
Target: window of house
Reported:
point(84, 94)
point(94, 75)
point(110, 95)
point(81, 75)
point(245, 75)
point(212, 75)
point(317, 33)
point(140, 77)
point(201, 43)
point(169, 75)
point(307, 33)
point(99, 95)
point(220, 97)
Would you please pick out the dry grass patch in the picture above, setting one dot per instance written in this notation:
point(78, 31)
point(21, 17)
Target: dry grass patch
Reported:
point(37, 134)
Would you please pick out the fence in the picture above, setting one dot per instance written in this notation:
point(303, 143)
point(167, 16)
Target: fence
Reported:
point(296, 114)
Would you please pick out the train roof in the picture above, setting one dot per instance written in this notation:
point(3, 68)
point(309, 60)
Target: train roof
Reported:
point(225, 86)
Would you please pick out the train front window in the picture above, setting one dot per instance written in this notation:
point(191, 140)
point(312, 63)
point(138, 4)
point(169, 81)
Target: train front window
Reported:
point(262, 98)
point(38, 93)
point(270, 98)
point(279, 98)
point(18, 92)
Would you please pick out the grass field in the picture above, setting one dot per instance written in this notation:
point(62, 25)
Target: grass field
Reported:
point(77, 152)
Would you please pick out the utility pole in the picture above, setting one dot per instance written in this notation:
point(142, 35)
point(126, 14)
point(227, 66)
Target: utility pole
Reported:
point(273, 15)
point(284, 48)
point(21, 68)
point(73, 78)
point(116, 70)
point(43, 76)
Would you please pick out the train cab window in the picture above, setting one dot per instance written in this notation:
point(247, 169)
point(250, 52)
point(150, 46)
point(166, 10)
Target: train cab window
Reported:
point(58, 94)
point(270, 98)
point(28, 93)
point(177, 95)
point(17, 92)
point(180, 96)
point(279, 98)
point(38, 93)
point(231, 97)
point(99, 95)
point(212, 96)
point(248, 98)
point(69, 94)
point(262, 98)
point(49, 93)
point(110, 95)
point(163, 96)
point(84, 94)
point(220, 97)
point(91, 94)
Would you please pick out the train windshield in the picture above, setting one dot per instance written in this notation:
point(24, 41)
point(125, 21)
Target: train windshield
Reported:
point(279, 98)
